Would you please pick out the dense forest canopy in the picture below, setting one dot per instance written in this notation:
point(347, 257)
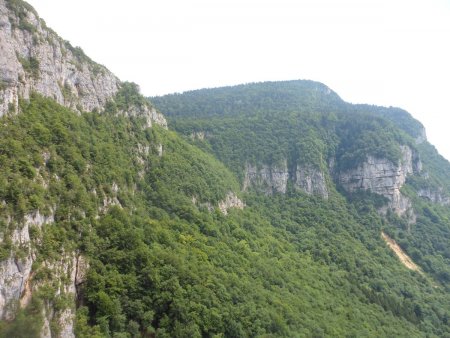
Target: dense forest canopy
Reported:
point(286, 265)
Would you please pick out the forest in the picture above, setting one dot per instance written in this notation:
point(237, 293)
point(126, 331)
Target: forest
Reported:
point(287, 265)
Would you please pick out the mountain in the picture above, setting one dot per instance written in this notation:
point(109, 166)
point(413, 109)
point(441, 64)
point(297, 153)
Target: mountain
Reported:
point(262, 210)
point(298, 138)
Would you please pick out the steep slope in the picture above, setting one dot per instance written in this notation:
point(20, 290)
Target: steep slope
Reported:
point(299, 133)
point(61, 174)
point(113, 226)
point(34, 59)
point(377, 158)
point(122, 236)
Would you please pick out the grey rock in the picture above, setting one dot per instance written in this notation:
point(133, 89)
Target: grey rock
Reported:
point(383, 177)
point(230, 201)
point(434, 195)
point(149, 113)
point(422, 137)
point(267, 179)
point(311, 180)
point(63, 73)
point(274, 179)
point(15, 272)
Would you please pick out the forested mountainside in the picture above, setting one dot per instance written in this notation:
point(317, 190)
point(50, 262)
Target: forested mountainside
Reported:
point(264, 210)
point(314, 144)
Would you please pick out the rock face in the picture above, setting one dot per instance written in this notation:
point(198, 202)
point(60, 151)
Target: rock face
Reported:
point(384, 177)
point(16, 277)
point(422, 136)
point(151, 115)
point(33, 58)
point(15, 272)
point(268, 179)
point(274, 179)
point(230, 201)
point(311, 181)
point(198, 135)
point(69, 265)
point(434, 195)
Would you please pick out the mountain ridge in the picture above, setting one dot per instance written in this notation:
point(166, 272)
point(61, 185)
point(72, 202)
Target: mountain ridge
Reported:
point(259, 213)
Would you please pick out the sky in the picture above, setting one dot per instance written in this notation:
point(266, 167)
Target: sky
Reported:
point(383, 52)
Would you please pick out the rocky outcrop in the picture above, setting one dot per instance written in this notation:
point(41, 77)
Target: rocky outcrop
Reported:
point(267, 179)
point(34, 58)
point(311, 180)
point(150, 114)
point(274, 179)
point(200, 135)
point(15, 272)
point(73, 266)
point(383, 177)
point(13, 275)
point(17, 284)
point(422, 136)
point(230, 201)
point(434, 195)
point(109, 199)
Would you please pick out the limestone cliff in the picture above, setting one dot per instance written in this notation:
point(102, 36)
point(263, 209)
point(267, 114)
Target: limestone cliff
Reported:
point(383, 177)
point(150, 114)
point(421, 136)
point(17, 273)
point(267, 179)
point(33, 58)
point(311, 180)
point(274, 179)
point(434, 195)
point(230, 201)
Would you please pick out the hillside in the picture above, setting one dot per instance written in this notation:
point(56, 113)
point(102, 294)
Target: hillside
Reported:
point(376, 158)
point(256, 211)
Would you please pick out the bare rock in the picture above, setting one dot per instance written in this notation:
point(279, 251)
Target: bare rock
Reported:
point(230, 201)
point(383, 177)
point(15, 272)
point(38, 60)
point(268, 179)
point(434, 195)
point(311, 180)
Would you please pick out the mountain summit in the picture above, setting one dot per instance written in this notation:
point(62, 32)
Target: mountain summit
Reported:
point(270, 209)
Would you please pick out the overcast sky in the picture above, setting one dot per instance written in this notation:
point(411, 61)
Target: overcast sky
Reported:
point(384, 52)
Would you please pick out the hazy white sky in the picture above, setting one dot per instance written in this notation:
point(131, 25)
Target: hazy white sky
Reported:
point(384, 52)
